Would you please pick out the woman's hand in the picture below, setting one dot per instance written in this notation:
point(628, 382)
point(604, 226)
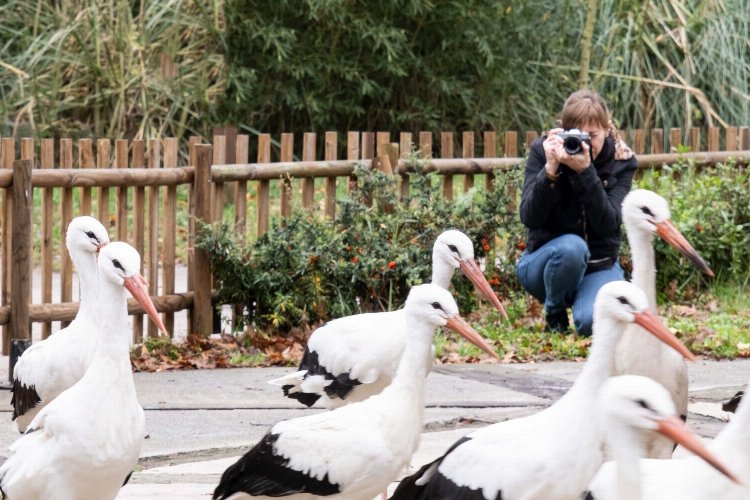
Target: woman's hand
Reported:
point(552, 147)
point(578, 162)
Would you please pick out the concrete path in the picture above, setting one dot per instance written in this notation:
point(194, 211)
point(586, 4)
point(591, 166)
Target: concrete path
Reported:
point(200, 422)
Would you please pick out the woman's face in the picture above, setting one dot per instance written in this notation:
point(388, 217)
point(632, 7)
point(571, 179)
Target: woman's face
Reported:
point(597, 134)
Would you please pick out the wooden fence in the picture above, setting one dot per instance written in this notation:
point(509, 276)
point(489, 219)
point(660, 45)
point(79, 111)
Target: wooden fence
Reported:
point(135, 187)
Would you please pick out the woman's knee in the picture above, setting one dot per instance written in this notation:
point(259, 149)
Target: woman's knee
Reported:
point(583, 321)
point(572, 248)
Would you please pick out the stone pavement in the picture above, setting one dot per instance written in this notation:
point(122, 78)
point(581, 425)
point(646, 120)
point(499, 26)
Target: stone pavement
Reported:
point(200, 422)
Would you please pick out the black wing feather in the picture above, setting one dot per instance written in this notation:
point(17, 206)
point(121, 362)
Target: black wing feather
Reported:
point(408, 489)
point(340, 386)
point(733, 403)
point(261, 472)
point(23, 398)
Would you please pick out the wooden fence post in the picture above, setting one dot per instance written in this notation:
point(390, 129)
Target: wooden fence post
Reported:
point(264, 186)
point(490, 151)
point(66, 215)
point(406, 144)
point(202, 310)
point(7, 156)
point(138, 160)
point(467, 151)
point(330, 154)
point(20, 326)
point(446, 151)
point(154, 161)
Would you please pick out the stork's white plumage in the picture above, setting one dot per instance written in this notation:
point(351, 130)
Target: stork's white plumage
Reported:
point(553, 453)
point(637, 406)
point(53, 365)
point(352, 452)
point(352, 358)
point(646, 214)
point(85, 442)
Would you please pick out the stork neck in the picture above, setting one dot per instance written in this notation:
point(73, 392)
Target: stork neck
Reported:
point(442, 272)
point(644, 264)
point(600, 362)
point(88, 278)
point(113, 323)
point(415, 361)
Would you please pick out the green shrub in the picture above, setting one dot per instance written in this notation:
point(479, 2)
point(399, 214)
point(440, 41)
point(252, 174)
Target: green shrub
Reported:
point(311, 269)
point(117, 69)
point(711, 207)
point(361, 65)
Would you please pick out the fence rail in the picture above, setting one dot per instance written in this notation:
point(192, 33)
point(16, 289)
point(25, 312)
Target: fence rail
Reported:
point(137, 189)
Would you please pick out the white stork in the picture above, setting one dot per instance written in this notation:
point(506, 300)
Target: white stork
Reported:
point(49, 367)
point(352, 358)
point(645, 214)
point(690, 477)
point(353, 452)
point(85, 442)
point(552, 454)
point(636, 406)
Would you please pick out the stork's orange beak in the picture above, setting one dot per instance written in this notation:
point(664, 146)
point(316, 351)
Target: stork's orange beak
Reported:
point(460, 326)
point(472, 271)
point(138, 288)
point(653, 324)
point(674, 429)
point(669, 233)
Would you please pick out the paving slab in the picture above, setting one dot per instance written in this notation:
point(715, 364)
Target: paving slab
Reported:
point(199, 422)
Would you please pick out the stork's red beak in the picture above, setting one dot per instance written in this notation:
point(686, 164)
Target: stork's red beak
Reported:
point(138, 288)
point(677, 431)
point(669, 233)
point(100, 246)
point(653, 324)
point(472, 271)
point(460, 326)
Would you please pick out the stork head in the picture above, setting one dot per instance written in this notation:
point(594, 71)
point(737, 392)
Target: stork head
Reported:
point(435, 306)
point(120, 263)
point(636, 401)
point(624, 303)
point(86, 234)
point(640, 404)
point(647, 212)
point(453, 249)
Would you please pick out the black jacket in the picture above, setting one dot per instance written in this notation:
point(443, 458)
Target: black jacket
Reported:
point(587, 204)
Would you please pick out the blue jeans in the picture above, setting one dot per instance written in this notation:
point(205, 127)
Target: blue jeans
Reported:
point(555, 274)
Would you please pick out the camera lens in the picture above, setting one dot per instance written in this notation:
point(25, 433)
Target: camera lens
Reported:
point(572, 145)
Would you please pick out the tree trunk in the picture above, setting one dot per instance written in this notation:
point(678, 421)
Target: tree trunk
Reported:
point(586, 40)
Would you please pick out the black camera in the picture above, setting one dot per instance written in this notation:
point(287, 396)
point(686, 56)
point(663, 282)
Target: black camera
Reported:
point(573, 139)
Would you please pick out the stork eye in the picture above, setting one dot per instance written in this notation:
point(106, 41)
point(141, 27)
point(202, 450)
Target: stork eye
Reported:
point(647, 211)
point(91, 234)
point(643, 404)
point(436, 305)
point(623, 300)
point(453, 248)
point(117, 264)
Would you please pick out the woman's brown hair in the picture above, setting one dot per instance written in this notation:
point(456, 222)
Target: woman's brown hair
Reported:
point(585, 107)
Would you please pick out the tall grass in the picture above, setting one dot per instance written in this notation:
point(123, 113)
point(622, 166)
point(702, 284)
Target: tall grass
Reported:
point(138, 68)
point(676, 63)
point(109, 69)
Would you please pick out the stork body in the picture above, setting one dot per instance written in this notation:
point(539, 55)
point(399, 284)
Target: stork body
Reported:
point(352, 358)
point(553, 453)
point(53, 365)
point(689, 478)
point(86, 441)
point(352, 452)
point(646, 214)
